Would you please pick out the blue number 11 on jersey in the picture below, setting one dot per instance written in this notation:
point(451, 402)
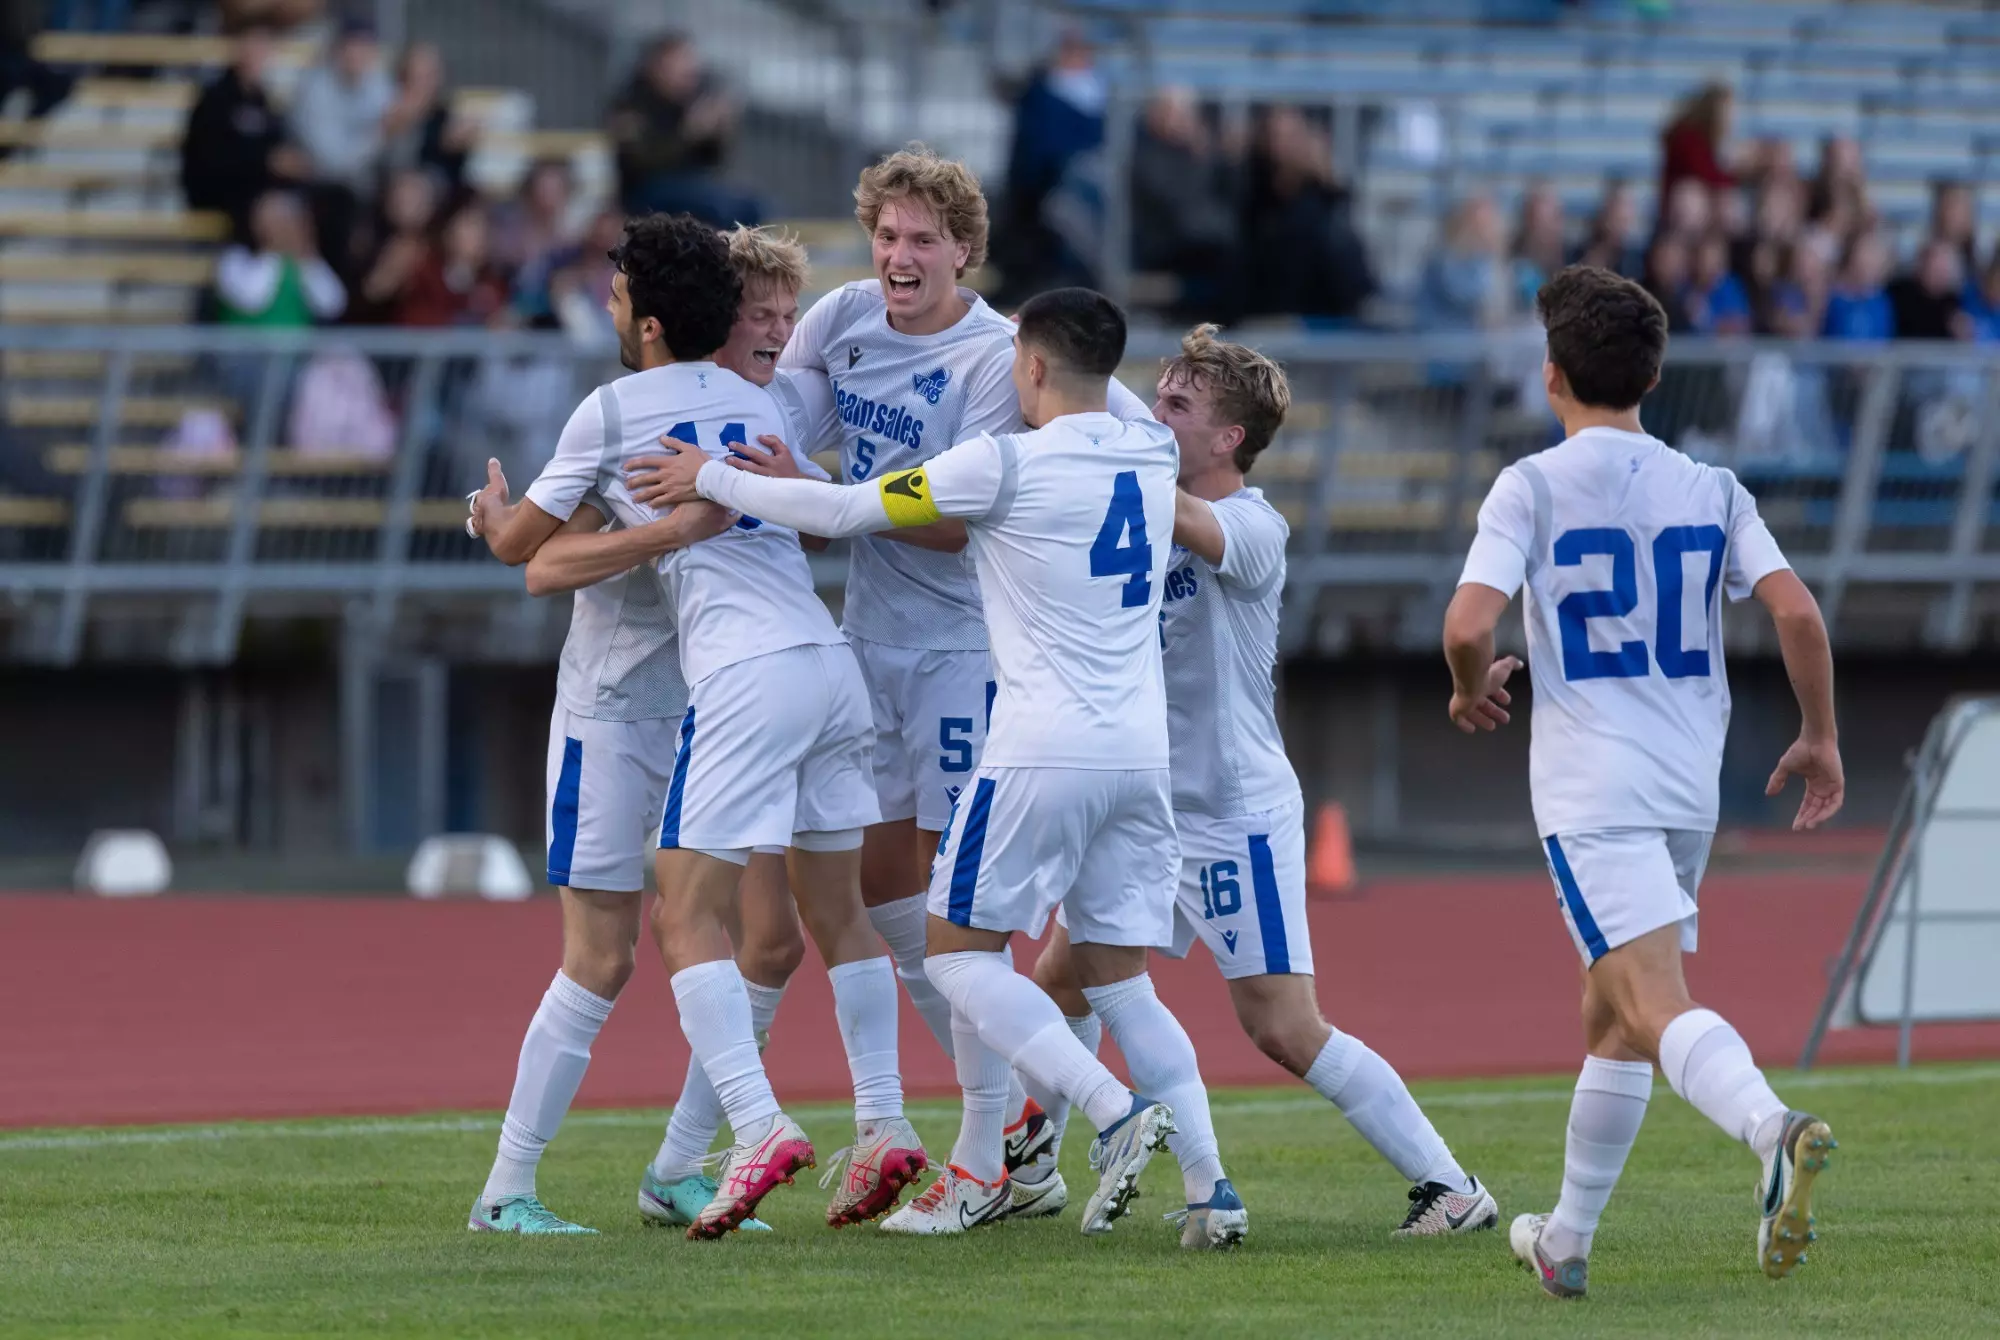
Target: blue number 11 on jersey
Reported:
point(1578, 608)
point(1110, 553)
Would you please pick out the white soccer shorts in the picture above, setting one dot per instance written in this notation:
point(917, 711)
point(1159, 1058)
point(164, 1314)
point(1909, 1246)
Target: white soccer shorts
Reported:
point(1243, 891)
point(607, 781)
point(770, 747)
point(1616, 884)
point(931, 711)
point(1099, 844)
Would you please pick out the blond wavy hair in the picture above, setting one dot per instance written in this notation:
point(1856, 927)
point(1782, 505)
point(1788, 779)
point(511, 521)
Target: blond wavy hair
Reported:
point(768, 255)
point(1244, 387)
point(946, 187)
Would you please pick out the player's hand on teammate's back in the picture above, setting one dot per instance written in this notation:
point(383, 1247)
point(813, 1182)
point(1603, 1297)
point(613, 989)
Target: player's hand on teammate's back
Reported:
point(485, 502)
point(770, 457)
point(1817, 763)
point(1488, 711)
point(666, 479)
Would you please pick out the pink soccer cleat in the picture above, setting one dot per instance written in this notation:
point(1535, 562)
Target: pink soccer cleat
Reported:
point(750, 1172)
point(877, 1172)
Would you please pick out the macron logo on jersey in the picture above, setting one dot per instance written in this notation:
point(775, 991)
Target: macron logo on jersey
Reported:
point(853, 354)
point(887, 421)
point(931, 384)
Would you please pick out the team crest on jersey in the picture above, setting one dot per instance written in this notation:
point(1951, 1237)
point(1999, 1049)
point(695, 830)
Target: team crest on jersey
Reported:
point(931, 384)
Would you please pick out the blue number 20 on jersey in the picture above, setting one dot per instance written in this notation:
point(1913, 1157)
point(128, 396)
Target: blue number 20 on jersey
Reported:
point(1578, 608)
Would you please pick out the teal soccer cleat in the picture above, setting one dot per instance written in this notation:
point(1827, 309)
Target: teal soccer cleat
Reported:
point(519, 1214)
point(675, 1204)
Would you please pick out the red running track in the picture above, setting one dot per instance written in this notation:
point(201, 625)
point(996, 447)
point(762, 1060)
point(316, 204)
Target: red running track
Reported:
point(193, 1008)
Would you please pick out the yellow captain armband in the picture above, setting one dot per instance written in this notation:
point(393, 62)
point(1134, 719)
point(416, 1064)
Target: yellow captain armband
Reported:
point(906, 497)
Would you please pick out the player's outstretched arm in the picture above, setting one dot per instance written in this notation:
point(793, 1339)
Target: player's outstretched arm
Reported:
point(1479, 696)
point(1808, 656)
point(582, 553)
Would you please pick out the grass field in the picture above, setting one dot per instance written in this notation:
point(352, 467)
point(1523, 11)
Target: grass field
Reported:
point(350, 1226)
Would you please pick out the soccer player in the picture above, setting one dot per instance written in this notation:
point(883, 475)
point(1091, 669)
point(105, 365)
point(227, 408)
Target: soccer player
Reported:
point(620, 698)
point(1237, 805)
point(1622, 543)
point(917, 362)
point(1071, 805)
point(773, 749)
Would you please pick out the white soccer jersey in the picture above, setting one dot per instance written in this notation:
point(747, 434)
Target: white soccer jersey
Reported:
point(1622, 542)
point(1219, 634)
point(900, 400)
point(1070, 527)
point(748, 591)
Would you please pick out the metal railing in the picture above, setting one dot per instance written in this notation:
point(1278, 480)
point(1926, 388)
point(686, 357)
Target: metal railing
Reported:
point(193, 478)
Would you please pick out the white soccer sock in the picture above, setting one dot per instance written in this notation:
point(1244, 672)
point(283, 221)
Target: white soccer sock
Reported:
point(1374, 1099)
point(697, 1114)
point(1707, 1062)
point(1164, 1068)
point(715, 1016)
point(1017, 1019)
point(1604, 1119)
point(864, 1005)
point(554, 1055)
point(983, 1073)
point(904, 926)
point(1089, 1030)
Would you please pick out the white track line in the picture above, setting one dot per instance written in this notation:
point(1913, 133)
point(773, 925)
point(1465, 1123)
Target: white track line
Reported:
point(1224, 1107)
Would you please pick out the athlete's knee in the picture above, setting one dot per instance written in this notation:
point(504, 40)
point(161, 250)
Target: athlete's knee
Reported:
point(772, 959)
point(1291, 1036)
point(601, 969)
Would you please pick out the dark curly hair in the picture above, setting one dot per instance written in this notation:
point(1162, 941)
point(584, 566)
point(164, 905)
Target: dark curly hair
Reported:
point(677, 271)
point(1606, 334)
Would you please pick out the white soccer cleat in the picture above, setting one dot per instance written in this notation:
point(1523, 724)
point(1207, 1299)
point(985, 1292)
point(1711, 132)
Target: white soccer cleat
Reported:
point(1785, 1189)
point(1559, 1279)
point(957, 1202)
point(750, 1172)
point(1436, 1210)
point(1120, 1154)
point(1037, 1200)
point(877, 1171)
point(1215, 1225)
point(1031, 1136)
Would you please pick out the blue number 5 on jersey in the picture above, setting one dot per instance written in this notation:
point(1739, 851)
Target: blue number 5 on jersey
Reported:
point(1111, 555)
point(1578, 608)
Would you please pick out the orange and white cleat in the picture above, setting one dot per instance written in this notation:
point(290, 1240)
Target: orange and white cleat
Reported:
point(879, 1165)
point(750, 1172)
point(955, 1203)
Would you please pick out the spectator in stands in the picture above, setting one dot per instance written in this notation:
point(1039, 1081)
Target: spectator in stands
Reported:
point(1715, 300)
point(1465, 284)
point(1955, 222)
point(1796, 305)
point(1539, 247)
point(402, 233)
point(339, 115)
point(419, 129)
point(531, 236)
point(1985, 305)
point(1929, 302)
point(1611, 243)
point(1304, 255)
point(1667, 271)
point(671, 128)
point(1059, 116)
point(582, 281)
point(47, 86)
point(1693, 144)
point(1184, 217)
point(456, 282)
point(234, 148)
point(1837, 205)
point(278, 281)
point(1858, 308)
point(1689, 212)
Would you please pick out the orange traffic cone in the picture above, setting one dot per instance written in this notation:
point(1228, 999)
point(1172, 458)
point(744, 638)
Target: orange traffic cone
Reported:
point(1330, 862)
